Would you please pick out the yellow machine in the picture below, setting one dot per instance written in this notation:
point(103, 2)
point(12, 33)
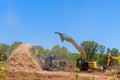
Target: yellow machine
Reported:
point(81, 64)
point(110, 57)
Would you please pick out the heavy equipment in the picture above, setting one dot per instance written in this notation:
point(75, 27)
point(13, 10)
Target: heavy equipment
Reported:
point(109, 58)
point(82, 64)
point(52, 63)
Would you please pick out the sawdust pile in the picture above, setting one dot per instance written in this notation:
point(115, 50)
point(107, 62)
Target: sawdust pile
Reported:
point(21, 59)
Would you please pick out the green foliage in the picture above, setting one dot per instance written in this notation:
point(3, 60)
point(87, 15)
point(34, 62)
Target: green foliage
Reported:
point(2, 66)
point(90, 48)
point(3, 51)
point(94, 51)
point(39, 50)
point(14, 45)
point(114, 52)
point(63, 53)
point(73, 56)
point(10, 48)
point(101, 49)
point(59, 51)
point(3, 47)
point(102, 59)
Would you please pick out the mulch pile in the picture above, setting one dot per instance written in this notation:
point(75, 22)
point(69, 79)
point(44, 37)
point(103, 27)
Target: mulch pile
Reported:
point(21, 60)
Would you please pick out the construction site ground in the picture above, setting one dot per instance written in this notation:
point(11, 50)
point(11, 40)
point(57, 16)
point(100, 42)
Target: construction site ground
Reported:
point(59, 75)
point(22, 66)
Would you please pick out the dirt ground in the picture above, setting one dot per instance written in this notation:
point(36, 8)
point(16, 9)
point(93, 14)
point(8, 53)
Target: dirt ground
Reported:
point(44, 75)
point(58, 75)
point(21, 66)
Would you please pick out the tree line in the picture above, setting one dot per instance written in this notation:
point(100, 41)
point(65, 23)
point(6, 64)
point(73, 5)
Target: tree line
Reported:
point(94, 51)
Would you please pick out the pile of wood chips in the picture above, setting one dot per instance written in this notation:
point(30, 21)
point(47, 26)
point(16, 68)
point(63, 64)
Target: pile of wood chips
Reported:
point(21, 60)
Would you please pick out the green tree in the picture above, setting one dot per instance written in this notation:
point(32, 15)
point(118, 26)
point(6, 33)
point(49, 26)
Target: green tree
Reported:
point(90, 47)
point(101, 49)
point(73, 56)
point(61, 52)
point(3, 50)
point(12, 47)
point(102, 59)
point(114, 52)
point(39, 49)
point(102, 56)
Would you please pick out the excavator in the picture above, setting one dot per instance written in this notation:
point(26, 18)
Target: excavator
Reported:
point(109, 58)
point(81, 64)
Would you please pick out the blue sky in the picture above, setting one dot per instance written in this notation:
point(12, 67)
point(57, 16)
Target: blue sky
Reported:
point(35, 21)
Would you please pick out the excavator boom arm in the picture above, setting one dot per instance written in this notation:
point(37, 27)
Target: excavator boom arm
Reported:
point(110, 57)
point(69, 39)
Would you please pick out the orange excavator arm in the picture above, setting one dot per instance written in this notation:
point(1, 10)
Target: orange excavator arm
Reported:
point(69, 39)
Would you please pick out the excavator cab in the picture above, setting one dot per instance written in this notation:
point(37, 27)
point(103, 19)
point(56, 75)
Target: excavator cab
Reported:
point(86, 65)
